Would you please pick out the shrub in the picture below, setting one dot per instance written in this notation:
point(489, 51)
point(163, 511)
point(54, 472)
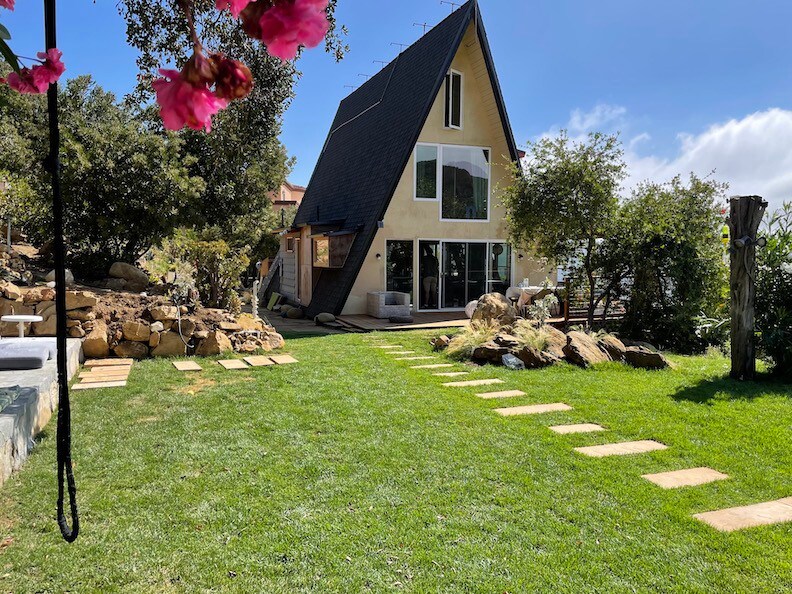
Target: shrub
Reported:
point(474, 335)
point(774, 293)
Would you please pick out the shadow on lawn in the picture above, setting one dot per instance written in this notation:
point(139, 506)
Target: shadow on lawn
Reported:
point(725, 388)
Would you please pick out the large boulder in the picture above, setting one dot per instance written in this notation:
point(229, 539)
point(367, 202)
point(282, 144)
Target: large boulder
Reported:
point(131, 350)
point(136, 331)
point(613, 346)
point(82, 315)
point(38, 294)
point(96, 344)
point(10, 290)
point(490, 351)
point(506, 340)
point(248, 322)
point(581, 349)
point(161, 313)
point(136, 279)
point(170, 345)
point(187, 327)
point(49, 327)
point(556, 341)
point(274, 340)
point(50, 278)
point(214, 344)
point(80, 299)
point(494, 307)
point(643, 358)
point(536, 359)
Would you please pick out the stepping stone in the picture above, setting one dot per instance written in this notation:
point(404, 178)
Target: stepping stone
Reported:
point(506, 394)
point(622, 449)
point(401, 352)
point(259, 361)
point(436, 366)
point(452, 374)
point(689, 477)
point(283, 359)
point(389, 346)
point(111, 372)
point(414, 358)
point(749, 516)
point(103, 378)
point(97, 385)
point(233, 364)
point(532, 409)
point(108, 362)
point(187, 366)
point(579, 428)
point(471, 383)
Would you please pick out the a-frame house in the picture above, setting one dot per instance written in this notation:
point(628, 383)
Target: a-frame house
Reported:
point(404, 195)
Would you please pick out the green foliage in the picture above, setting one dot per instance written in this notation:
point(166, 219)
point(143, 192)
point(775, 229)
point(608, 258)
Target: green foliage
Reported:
point(530, 335)
point(206, 257)
point(565, 200)
point(666, 241)
point(774, 292)
point(475, 334)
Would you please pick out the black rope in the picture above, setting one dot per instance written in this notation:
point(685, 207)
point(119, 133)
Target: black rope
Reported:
point(63, 440)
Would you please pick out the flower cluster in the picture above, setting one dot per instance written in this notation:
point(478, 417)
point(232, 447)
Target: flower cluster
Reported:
point(186, 98)
point(36, 80)
point(9, 4)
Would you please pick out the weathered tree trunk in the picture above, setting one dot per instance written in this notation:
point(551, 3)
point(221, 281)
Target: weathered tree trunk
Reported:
point(746, 215)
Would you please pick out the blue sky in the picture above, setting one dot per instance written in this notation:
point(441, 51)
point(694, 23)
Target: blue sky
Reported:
point(690, 85)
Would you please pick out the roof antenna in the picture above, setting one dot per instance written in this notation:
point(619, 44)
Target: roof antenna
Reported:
point(454, 5)
point(353, 87)
point(368, 76)
point(382, 63)
point(424, 25)
point(401, 45)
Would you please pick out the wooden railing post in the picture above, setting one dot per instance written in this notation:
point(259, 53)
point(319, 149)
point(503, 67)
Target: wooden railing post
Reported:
point(744, 220)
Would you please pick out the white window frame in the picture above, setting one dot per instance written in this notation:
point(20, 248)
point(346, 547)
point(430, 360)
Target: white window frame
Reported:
point(439, 183)
point(448, 90)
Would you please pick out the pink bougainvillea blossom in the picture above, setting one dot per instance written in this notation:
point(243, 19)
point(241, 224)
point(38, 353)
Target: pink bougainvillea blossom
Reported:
point(183, 104)
point(233, 80)
point(287, 25)
point(23, 82)
point(50, 71)
point(236, 6)
point(9, 4)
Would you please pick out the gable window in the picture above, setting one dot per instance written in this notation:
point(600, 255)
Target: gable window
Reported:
point(466, 183)
point(453, 100)
point(426, 172)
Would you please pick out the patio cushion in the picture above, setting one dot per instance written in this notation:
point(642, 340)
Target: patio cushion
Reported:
point(50, 343)
point(18, 356)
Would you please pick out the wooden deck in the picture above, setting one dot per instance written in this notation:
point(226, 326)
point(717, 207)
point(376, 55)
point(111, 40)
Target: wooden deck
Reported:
point(421, 321)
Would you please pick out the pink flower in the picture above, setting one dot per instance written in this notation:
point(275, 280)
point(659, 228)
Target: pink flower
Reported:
point(24, 82)
point(9, 4)
point(287, 25)
point(234, 80)
point(236, 6)
point(183, 104)
point(50, 71)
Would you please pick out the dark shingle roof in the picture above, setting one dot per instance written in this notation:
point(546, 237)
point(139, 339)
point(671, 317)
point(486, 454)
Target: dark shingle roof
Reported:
point(370, 143)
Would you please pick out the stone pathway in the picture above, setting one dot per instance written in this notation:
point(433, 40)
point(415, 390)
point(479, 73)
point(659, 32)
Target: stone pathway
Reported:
point(471, 383)
point(622, 449)
point(690, 477)
point(388, 346)
point(259, 361)
point(233, 364)
point(187, 366)
point(414, 358)
point(749, 516)
point(452, 374)
point(578, 428)
point(532, 409)
point(104, 373)
point(434, 366)
point(283, 359)
point(401, 352)
point(504, 394)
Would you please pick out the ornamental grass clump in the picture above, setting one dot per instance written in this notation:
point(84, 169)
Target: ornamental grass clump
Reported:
point(474, 335)
point(531, 335)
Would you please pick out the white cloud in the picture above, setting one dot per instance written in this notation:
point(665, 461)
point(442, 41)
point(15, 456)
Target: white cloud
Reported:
point(753, 154)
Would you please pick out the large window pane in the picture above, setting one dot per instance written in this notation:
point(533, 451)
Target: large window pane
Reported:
point(429, 266)
point(454, 275)
point(465, 183)
point(499, 267)
point(456, 100)
point(399, 266)
point(426, 172)
point(477, 270)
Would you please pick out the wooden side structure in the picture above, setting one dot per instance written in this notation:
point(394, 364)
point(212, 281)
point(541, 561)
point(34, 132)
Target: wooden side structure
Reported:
point(744, 220)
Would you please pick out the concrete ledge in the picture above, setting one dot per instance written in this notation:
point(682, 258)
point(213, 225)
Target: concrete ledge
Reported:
point(22, 420)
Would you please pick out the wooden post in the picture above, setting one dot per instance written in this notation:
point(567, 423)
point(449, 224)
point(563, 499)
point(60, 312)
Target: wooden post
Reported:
point(744, 219)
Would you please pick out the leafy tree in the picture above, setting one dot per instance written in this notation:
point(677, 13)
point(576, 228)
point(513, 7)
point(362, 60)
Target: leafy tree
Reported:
point(564, 201)
point(774, 292)
point(665, 252)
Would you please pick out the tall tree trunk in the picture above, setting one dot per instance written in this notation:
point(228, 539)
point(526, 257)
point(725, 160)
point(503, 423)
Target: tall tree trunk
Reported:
point(590, 276)
point(746, 215)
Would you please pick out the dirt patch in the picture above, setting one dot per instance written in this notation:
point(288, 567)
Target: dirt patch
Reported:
point(199, 384)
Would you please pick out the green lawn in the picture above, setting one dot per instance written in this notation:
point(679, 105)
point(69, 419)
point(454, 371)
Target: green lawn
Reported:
point(351, 472)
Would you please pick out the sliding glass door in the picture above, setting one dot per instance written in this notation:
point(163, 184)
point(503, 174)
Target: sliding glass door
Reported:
point(453, 273)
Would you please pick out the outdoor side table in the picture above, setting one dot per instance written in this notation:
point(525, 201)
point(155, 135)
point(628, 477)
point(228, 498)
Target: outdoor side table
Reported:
point(21, 321)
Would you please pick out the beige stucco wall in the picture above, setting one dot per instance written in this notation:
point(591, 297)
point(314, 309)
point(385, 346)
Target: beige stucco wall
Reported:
point(407, 219)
